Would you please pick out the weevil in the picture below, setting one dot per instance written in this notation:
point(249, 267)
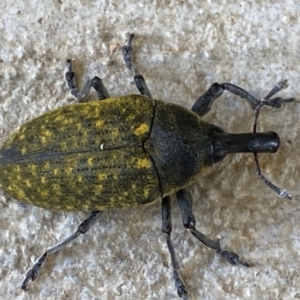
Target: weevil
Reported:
point(125, 152)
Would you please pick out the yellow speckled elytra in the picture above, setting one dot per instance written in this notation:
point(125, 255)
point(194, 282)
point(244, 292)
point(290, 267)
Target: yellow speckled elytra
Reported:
point(125, 152)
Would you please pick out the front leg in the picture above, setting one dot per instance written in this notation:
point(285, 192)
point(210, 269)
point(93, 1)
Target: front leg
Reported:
point(204, 103)
point(185, 202)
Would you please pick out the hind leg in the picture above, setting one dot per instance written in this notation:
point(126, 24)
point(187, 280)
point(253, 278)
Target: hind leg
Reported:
point(81, 95)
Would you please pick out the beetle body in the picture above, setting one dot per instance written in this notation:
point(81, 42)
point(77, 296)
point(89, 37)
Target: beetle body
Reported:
point(125, 152)
point(116, 153)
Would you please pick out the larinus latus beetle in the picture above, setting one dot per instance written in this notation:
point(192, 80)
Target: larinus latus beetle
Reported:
point(125, 152)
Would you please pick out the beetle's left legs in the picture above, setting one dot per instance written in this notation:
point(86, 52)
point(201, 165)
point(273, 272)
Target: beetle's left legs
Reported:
point(139, 80)
point(185, 202)
point(167, 229)
point(204, 103)
point(80, 96)
point(100, 89)
point(33, 273)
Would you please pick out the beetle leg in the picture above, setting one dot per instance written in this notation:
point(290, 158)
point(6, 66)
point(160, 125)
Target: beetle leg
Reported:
point(167, 229)
point(139, 80)
point(185, 202)
point(141, 85)
point(33, 273)
point(274, 102)
point(204, 103)
point(99, 87)
point(71, 84)
point(127, 51)
point(96, 83)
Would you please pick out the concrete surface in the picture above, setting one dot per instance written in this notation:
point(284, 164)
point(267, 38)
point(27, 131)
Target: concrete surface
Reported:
point(181, 48)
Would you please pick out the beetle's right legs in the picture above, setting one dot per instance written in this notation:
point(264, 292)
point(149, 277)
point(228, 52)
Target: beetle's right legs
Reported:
point(185, 202)
point(139, 80)
point(80, 96)
point(166, 229)
point(33, 273)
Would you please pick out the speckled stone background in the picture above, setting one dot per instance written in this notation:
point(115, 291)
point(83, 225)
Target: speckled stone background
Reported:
point(181, 48)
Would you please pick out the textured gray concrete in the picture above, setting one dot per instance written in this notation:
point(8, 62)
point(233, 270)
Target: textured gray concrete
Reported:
point(181, 48)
